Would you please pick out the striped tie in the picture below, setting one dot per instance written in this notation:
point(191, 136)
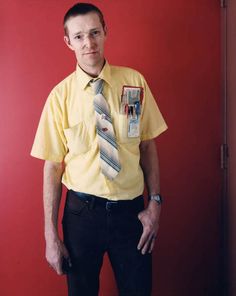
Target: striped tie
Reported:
point(109, 159)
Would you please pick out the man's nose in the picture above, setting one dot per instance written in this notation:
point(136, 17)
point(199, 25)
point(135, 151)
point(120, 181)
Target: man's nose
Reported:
point(89, 42)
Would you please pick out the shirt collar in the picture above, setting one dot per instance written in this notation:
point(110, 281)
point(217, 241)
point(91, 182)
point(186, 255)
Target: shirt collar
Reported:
point(84, 78)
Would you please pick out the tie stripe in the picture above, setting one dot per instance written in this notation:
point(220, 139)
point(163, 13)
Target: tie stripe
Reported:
point(107, 137)
point(109, 159)
point(100, 110)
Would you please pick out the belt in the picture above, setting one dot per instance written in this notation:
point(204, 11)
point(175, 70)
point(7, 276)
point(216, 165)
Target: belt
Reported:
point(96, 201)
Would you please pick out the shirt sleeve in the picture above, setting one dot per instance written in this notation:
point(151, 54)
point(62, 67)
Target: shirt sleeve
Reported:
point(50, 141)
point(152, 122)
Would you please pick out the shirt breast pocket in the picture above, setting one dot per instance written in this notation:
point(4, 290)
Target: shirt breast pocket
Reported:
point(78, 138)
point(122, 132)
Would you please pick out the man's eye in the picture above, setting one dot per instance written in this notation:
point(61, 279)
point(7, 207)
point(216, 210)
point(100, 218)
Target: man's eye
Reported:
point(78, 37)
point(95, 33)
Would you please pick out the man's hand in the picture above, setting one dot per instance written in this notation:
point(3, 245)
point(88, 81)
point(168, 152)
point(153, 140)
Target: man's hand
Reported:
point(55, 251)
point(52, 188)
point(150, 221)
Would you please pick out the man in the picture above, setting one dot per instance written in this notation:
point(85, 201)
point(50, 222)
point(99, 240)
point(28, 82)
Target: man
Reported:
point(96, 136)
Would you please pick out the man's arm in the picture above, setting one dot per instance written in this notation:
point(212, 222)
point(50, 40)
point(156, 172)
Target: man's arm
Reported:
point(52, 189)
point(150, 216)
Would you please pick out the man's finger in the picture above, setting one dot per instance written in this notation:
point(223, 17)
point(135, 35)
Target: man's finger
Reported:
point(59, 268)
point(153, 240)
point(143, 239)
point(59, 272)
point(147, 244)
point(65, 253)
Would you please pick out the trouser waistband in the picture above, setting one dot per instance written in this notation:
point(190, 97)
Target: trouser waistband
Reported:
point(96, 201)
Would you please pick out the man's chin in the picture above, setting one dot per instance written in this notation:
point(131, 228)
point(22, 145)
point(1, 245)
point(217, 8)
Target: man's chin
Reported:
point(94, 62)
point(92, 67)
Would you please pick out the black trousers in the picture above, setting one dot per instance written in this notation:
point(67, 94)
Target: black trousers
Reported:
point(93, 226)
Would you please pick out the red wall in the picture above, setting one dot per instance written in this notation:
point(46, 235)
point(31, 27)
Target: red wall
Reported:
point(176, 45)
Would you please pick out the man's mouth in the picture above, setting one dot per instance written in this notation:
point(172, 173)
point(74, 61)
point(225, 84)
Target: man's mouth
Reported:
point(91, 53)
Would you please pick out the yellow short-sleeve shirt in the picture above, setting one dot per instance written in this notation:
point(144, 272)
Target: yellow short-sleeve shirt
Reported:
point(67, 133)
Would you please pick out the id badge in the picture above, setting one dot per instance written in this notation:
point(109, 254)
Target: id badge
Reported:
point(133, 127)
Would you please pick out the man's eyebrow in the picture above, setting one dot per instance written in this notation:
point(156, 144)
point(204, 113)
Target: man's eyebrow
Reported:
point(91, 30)
point(77, 33)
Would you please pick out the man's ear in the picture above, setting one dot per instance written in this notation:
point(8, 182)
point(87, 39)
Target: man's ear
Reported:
point(67, 42)
point(105, 30)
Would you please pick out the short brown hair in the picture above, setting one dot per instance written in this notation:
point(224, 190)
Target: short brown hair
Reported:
point(82, 9)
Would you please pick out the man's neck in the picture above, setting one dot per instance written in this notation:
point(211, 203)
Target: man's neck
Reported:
point(93, 71)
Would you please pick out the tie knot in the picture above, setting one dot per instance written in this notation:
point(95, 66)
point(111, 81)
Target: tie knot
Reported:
point(97, 85)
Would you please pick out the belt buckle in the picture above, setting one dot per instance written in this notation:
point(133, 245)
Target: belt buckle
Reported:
point(110, 204)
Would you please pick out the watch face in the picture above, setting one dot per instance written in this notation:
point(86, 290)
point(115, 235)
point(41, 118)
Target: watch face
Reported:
point(157, 198)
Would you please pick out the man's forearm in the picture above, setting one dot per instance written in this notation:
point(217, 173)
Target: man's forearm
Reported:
point(150, 166)
point(52, 188)
point(150, 216)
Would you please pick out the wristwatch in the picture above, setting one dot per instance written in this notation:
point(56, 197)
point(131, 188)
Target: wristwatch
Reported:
point(157, 198)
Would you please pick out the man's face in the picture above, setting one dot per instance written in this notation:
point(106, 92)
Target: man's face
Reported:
point(86, 38)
